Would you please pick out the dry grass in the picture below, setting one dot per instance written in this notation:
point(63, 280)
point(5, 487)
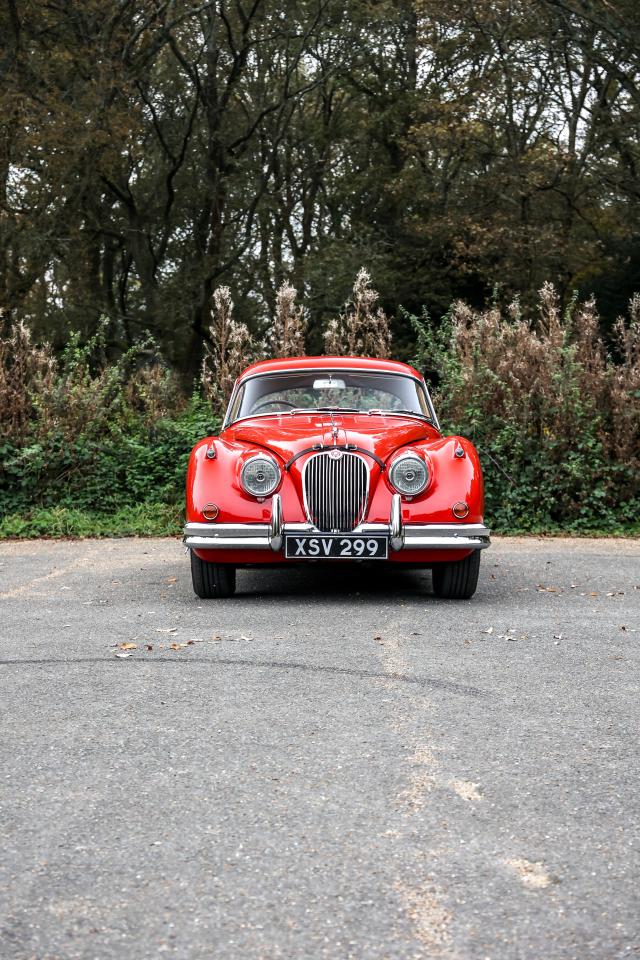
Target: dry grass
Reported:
point(79, 392)
point(362, 329)
point(229, 351)
point(548, 374)
point(289, 326)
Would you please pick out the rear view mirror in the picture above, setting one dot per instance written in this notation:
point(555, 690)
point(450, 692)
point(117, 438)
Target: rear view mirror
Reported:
point(329, 384)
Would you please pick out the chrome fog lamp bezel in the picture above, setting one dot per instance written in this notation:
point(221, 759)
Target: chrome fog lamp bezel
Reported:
point(262, 493)
point(394, 466)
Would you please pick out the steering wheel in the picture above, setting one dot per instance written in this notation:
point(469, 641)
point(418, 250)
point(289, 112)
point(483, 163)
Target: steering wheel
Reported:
point(269, 403)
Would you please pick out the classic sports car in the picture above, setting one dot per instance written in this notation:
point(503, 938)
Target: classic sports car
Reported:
point(333, 459)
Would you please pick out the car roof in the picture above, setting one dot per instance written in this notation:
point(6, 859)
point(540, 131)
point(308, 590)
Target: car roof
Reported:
point(289, 364)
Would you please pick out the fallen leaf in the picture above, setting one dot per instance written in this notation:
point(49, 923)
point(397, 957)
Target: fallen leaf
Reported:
point(178, 646)
point(128, 646)
point(170, 579)
point(488, 630)
point(196, 640)
point(123, 656)
point(149, 646)
point(166, 629)
point(557, 636)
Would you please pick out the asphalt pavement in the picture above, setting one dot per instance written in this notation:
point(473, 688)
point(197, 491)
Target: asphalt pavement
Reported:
point(332, 764)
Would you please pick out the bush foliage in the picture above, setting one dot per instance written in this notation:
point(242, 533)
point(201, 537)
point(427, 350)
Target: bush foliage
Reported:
point(554, 415)
point(89, 446)
point(95, 446)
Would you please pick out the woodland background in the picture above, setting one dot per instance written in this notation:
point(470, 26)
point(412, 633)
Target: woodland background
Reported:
point(481, 159)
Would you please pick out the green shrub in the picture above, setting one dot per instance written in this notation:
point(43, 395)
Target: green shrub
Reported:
point(90, 446)
point(555, 418)
point(87, 445)
point(139, 520)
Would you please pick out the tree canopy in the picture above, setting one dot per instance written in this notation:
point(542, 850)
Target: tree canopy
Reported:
point(153, 150)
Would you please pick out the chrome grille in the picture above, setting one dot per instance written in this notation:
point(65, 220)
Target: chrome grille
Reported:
point(335, 491)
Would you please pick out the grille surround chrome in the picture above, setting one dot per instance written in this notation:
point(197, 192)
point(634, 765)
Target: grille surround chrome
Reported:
point(335, 490)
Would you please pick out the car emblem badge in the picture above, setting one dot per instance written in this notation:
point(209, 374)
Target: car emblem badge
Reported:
point(335, 454)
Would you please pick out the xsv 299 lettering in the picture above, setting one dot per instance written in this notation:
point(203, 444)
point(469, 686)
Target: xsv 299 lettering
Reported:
point(348, 548)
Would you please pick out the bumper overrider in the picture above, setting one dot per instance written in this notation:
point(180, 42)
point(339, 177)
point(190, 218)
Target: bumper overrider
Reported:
point(270, 536)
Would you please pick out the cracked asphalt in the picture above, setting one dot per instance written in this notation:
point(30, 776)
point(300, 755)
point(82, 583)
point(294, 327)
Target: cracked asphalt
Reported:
point(333, 764)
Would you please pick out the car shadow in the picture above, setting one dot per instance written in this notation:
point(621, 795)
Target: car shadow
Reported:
point(330, 580)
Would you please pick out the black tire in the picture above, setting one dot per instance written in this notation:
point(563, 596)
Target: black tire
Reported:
point(212, 581)
point(457, 580)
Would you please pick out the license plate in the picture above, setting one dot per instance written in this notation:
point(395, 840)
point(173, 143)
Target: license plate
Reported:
point(335, 547)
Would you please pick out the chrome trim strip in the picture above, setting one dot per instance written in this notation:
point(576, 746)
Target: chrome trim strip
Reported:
point(396, 531)
point(275, 526)
point(228, 543)
point(258, 536)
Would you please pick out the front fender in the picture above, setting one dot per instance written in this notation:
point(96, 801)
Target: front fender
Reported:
point(216, 481)
point(453, 478)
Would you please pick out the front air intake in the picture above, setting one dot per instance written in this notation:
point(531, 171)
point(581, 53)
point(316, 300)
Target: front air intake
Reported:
point(335, 490)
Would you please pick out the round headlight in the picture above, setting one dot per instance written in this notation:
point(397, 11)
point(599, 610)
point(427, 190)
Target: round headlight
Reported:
point(409, 475)
point(260, 476)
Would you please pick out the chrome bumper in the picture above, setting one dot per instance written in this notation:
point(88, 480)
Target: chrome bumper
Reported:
point(270, 536)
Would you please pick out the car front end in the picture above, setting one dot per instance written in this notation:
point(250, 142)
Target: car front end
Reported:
point(334, 459)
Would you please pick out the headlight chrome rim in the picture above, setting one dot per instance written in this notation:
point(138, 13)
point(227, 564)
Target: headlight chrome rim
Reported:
point(421, 465)
point(267, 491)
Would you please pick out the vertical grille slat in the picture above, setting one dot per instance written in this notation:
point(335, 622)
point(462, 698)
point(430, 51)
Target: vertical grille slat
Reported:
point(335, 491)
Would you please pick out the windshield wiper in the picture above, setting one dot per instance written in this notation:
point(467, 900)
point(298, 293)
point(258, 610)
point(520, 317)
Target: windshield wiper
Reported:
point(339, 409)
point(373, 412)
point(402, 411)
point(293, 412)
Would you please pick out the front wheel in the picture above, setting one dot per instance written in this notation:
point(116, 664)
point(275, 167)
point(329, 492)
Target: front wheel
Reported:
point(458, 579)
point(212, 581)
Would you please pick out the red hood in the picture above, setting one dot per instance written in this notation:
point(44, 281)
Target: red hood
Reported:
point(286, 435)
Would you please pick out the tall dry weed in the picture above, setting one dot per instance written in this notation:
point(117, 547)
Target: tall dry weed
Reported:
point(363, 328)
point(27, 374)
point(290, 324)
point(556, 417)
point(230, 350)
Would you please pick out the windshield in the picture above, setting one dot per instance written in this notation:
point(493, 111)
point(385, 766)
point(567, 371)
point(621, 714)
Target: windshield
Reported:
point(349, 391)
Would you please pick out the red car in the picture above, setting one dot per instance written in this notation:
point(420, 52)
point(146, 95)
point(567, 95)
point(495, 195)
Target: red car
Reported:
point(334, 459)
